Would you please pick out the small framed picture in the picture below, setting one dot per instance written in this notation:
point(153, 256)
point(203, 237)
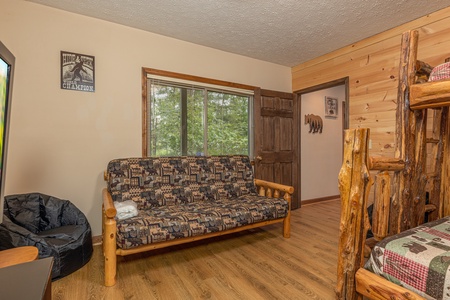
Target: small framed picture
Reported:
point(77, 72)
point(331, 107)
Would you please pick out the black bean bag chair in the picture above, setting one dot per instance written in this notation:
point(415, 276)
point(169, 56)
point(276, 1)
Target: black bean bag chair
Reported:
point(56, 227)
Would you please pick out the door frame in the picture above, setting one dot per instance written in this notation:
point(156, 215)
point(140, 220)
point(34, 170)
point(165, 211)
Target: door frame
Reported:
point(345, 109)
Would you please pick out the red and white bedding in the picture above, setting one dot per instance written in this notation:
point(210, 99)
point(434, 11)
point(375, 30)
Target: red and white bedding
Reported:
point(417, 259)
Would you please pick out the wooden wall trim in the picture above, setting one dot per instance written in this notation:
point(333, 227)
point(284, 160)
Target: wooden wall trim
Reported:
point(323, 86)
point(321, 199)
point(97, 240)
point(197, 79)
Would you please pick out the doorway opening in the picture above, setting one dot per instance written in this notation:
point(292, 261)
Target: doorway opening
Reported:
point(321, 151)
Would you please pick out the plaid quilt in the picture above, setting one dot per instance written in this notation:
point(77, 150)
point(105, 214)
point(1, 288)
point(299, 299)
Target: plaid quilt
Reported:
point(440, 72)
point(417, 259)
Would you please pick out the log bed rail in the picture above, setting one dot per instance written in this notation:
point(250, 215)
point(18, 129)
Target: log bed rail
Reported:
point(402, 185)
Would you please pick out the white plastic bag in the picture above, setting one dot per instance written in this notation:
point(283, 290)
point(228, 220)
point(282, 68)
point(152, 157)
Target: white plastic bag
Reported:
point(125, 209)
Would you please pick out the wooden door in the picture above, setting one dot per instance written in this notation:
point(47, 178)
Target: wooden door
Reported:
point(276, 149)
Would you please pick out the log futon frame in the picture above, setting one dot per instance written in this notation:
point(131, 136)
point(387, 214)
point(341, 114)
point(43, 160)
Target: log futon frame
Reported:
point(399, 205)
point(184, 199)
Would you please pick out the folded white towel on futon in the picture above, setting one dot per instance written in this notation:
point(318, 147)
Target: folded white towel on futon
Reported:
point(126, 209)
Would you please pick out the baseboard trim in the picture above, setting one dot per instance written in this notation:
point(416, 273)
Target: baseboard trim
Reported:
point(322, 199)
point(97, 240)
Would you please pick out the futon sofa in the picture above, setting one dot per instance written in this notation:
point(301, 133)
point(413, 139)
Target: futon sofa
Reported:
point(184, 199)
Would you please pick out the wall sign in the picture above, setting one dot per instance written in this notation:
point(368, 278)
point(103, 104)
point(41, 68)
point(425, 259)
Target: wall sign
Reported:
point(331, 107)
point(77, 72)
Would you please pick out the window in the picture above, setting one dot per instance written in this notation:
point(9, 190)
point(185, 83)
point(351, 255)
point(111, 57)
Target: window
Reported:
point(196, 118)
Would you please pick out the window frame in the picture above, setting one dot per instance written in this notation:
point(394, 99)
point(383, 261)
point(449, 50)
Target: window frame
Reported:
point(148, 72)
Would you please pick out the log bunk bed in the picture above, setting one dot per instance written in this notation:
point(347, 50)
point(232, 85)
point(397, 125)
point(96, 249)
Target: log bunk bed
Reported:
point(409, 190)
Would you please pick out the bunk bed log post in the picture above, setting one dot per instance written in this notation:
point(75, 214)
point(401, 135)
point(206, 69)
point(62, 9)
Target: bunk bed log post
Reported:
point(381, 206)
point(401, 207)
point(354, 187)
point(418, 139)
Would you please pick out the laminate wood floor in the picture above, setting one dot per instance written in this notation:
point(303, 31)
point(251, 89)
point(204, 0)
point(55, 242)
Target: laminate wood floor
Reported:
point(255, 264)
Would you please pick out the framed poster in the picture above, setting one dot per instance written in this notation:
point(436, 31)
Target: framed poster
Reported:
point(331, 107)
point(77, 72)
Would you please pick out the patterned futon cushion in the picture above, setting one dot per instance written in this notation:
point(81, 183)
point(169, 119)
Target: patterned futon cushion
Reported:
point(417, 259)
point(153, 182)
point(191, 219)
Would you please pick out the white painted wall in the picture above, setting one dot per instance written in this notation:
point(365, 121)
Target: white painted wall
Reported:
point(321, 153)
point(60, 140)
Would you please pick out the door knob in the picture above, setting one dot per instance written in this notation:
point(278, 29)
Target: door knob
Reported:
point(258, 158)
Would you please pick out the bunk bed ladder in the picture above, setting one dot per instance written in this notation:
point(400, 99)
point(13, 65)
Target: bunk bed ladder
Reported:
point(435, 147)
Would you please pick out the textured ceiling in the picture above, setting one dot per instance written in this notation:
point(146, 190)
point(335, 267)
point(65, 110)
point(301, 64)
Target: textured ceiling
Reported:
point(285, 32)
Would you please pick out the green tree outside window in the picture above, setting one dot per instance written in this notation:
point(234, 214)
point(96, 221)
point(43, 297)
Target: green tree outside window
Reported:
point(197, 121)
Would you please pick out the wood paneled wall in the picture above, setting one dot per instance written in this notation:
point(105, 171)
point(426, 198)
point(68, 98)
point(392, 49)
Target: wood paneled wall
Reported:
point(372, 68)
